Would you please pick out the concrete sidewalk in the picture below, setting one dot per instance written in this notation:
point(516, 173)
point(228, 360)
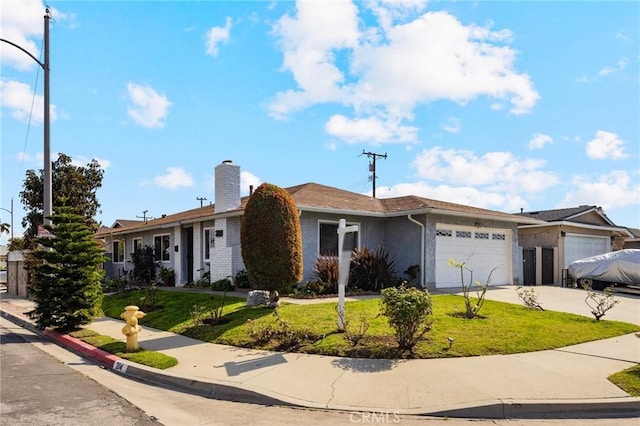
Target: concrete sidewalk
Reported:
point(554, 383)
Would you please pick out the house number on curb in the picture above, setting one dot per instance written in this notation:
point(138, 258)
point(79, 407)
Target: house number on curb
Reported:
point(345, 247)
point(120, 367)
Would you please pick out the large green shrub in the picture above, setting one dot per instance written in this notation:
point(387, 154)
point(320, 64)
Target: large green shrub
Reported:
point(372, 271)
point(407, 310)
point(144, 266)
point(67, 284)
point(271, 239)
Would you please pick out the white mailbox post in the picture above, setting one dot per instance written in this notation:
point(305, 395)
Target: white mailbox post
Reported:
point(344, 261)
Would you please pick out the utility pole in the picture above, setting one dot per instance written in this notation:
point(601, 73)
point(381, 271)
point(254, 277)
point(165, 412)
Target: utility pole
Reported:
point(47, 202)
point(201, 199)
point(372, 167)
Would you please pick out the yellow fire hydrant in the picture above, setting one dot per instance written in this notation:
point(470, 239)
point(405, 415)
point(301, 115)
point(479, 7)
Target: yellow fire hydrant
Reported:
point(131, 315)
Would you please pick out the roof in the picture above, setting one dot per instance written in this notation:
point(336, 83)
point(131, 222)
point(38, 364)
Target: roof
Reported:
point(570, 214)
point(558, 214)
point(321, 198)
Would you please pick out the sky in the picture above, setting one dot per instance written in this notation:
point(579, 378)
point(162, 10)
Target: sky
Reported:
point(500, 105)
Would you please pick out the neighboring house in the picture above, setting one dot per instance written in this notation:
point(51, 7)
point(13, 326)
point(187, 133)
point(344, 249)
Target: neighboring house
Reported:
point(567, 235)
point(415, 230)
point(634, 241)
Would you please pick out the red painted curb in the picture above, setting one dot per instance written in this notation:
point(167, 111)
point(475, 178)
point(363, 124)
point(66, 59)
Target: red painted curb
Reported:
point(83, 348)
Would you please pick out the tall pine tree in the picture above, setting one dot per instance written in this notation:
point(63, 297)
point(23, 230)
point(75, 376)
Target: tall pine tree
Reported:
point(66, 285)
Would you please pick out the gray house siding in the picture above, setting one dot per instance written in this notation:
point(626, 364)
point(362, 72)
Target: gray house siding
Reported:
point(371, 233)
point(403, 242)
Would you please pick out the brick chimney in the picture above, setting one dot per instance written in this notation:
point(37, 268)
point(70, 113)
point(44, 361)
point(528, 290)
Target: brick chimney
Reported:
point(227, 186)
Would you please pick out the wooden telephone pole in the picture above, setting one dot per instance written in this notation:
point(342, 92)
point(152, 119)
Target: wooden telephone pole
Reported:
point(372, 167)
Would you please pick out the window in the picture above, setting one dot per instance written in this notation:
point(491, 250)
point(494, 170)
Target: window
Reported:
point(161, 248)
point(328, 238)
point(498, 237)
point(207, 243)
point(137, 244)
point(463, 234)
point(444, 233)
point(118, 251)
point(482, 235)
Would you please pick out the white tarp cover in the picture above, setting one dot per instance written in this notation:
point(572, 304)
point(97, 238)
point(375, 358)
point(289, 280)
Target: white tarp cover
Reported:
point(621, 267)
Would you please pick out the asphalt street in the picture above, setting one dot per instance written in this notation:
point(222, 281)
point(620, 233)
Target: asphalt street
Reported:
point(37, 389)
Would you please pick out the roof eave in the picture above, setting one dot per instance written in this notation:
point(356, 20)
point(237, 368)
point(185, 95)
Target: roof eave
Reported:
point(511, 219)
point(621, 230)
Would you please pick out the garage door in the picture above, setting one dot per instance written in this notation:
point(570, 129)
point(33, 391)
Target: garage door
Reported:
point(482, 249)
point(581, 246)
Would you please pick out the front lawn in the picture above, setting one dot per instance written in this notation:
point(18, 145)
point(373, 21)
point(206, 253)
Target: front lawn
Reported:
point(502, 329)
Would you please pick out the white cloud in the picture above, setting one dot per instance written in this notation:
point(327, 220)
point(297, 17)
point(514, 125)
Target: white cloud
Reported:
point(369, 130)
point(606, 145)
point(21, 22)
point(539, 140)
point(217, 35)
point(21, 101)
point(467, 195)
point(82, 161)
point(440, 59)
point(496, 171)
point(174, 178)
point(452, 125)
point(246, 180)
point(608, 70)
point(611, 190)
point(149, 108)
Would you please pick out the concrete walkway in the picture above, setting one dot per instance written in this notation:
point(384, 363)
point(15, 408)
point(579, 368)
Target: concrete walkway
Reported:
point(553, 383)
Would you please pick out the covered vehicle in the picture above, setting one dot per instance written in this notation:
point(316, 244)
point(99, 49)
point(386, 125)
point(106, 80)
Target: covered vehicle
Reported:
point(620, 267)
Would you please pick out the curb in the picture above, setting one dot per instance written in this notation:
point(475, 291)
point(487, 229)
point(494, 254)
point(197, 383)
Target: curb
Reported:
point(623, 407)
point(147, 374)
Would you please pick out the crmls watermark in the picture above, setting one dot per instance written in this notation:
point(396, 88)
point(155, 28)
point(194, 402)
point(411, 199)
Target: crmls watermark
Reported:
point(374, 417)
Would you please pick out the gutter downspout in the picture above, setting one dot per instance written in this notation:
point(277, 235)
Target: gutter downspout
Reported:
point(422, 237)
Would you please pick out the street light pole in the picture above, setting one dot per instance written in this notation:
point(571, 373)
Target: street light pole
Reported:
point(47, 203)
point(47, 207)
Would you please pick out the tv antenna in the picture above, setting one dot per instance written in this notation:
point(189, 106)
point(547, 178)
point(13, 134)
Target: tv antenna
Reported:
point(201, 199)
point(144, 216)
point(372, 167)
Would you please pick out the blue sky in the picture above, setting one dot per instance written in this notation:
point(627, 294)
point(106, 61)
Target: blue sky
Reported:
point(501, 105)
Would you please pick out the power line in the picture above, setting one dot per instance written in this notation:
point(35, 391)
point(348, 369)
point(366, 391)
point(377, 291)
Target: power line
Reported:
point(372, 167)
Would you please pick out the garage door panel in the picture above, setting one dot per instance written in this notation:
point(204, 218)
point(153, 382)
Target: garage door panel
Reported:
point(582, 246)
point(480, 250)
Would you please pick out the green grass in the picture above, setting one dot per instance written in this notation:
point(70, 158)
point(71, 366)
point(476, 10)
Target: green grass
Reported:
point(628, 380)
point(116, 347)
point(502, 329)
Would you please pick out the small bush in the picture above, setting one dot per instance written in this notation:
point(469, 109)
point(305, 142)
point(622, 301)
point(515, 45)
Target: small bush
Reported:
point(372, 271)
point(354, 335)
point(407, 310)
point(528, 297)
point(325, 269)
point(599, 303)
point(472, 305)
point(167, 276)
point(281, 331)
point(241, 280)
point(223, 284)
point(113, 285)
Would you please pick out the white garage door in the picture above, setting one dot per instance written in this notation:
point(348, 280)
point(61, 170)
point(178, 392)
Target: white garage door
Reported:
point(581, 246)
point(481, 248)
